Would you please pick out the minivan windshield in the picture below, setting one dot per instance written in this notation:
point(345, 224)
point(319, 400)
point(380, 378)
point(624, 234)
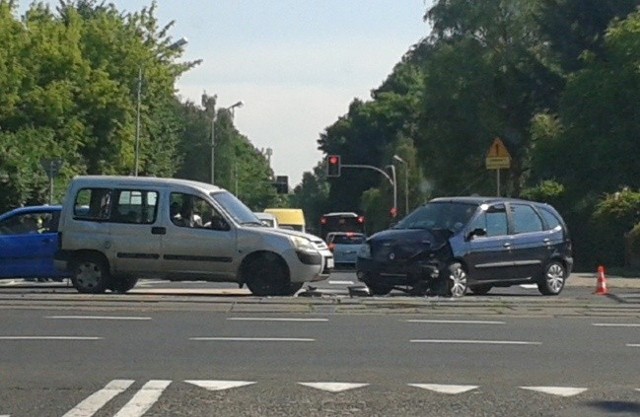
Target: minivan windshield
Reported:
point(447, 215)
point(235, 208)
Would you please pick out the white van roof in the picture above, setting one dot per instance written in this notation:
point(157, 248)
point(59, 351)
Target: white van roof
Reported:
point(123, 180)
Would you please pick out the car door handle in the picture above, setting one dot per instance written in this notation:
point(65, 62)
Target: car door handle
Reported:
point(506, 244)
point(158, 230)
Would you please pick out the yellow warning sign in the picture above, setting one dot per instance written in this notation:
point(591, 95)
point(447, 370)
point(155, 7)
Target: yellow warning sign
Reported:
point(498, 150)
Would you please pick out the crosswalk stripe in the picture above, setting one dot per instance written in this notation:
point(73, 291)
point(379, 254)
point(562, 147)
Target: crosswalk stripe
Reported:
point(98, 399)
point(454, 321)
point(445, 389)
point(97, 318)
point(561, 391)
point(252, 339)
point(276, 319)
point(337, 282)
point(144, 399)
point(332, 386)
point(218, 385)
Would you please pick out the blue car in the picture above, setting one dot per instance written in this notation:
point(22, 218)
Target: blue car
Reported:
point(28, 241)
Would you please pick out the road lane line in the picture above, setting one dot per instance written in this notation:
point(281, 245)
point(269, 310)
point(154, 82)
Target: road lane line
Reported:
point(218, 385)
point(96, 318)
point(455, 321)
point(616, 324)
point(50, 338)
point(144, 399)
point(251, 339)
point(633, 344)
point(445, 389)
point(90, 405)
point(561, 391)
point(337, 282)
point(275, 319)
point(332, 386)
point(476, 342)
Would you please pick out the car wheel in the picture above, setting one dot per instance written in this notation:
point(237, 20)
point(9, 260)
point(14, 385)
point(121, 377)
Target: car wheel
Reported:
point(294, 287)
point(378, 289)
point(481, 289)
point(456, 280)
point(90, 275)
point(267, 275)
point(552, 282)
point(122, 285)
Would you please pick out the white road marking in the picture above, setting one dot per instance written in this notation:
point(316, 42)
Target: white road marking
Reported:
point(332, 386)
point(50, 338)
point(337, 282)
point(253, 339)
point(561, 391)
point(445, 389)
point(144, 399)
point(98, 399)
point(633, 344)
point(616, 324)
point(96, 318)
point(455, 321)
point(529, 286)
point(275, 319)
point(218, 385)
point(476, 342)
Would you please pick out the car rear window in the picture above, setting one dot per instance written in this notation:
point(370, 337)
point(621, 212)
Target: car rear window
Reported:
point(348, 240)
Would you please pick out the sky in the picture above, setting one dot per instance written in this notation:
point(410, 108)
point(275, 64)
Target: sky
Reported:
point(295, 64)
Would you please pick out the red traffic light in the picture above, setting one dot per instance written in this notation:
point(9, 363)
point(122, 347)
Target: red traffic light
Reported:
point(393, 211)
point(333, 166)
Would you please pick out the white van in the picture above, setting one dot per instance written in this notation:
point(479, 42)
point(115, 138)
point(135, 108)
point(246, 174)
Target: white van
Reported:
point(116, 229)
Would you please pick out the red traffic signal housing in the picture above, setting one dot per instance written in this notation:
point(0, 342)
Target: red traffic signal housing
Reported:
point(333, 166)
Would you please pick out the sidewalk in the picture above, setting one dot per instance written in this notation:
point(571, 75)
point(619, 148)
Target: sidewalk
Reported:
point(586, 279)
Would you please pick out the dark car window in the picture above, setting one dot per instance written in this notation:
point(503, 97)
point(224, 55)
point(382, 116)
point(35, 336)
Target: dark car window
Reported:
point(439, 215)
point(493, 220)
point(348, 239)
point(525, 219)
point(550, 219)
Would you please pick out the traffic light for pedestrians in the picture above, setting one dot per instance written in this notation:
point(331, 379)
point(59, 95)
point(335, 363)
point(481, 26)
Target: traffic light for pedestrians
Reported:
point(333, 166)
point(282, 184)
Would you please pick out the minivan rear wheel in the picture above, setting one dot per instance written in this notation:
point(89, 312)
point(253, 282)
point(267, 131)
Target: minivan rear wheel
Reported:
point(553, 279)
point(124, 284)
point(267, 275)
point(90, 274)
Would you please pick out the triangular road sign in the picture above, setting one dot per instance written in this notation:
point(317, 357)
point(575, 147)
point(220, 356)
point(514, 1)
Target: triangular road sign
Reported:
point(560, 391)
point(498, 150)
point(446, 389)
point(218, 385)
point(332, 386)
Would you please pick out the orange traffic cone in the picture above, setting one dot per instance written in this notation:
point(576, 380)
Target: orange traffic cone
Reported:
point(601, 286)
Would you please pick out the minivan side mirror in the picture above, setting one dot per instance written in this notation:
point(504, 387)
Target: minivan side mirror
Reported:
point(220, 225)
point(476, 232)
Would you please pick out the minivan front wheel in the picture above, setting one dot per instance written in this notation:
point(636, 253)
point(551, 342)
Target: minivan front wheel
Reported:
point(267, 275)
point(456, 280)
point(552, 282)
point(90, 274)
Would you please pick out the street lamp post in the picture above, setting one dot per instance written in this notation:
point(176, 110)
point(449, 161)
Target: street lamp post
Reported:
point(213, 137)
point(406, 183)
point(395, 186)
point(177, 44)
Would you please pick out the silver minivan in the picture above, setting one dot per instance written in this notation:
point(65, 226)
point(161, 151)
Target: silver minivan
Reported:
point(116, 229)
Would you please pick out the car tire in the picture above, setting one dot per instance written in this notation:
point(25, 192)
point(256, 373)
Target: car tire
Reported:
point(122, 285)
point(90, 274)
point(455, 278)
point(553, 279)
point(481, 289)
point(294, 287)
point(267, 275)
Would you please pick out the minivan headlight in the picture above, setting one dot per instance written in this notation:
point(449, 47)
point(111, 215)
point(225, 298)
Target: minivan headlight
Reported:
point(301, 243)
point(365, 251)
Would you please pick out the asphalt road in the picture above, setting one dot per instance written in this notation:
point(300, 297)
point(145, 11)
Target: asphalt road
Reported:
point(194, 349)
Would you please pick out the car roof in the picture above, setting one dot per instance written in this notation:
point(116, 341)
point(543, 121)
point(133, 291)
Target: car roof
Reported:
point(31, 209)
point(124, 180)
point(345, 234)
point(479, 200)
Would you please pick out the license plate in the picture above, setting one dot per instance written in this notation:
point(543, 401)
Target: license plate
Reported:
point(330, 263)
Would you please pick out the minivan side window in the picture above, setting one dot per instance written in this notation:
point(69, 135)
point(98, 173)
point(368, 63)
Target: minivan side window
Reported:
point(550, 219)
point(525, 219)
point(135, 206)
point(493, 220)
point(192, 211)
point(93, 204)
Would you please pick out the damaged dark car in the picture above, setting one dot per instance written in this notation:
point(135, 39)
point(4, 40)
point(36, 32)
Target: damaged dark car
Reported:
point(454, 244)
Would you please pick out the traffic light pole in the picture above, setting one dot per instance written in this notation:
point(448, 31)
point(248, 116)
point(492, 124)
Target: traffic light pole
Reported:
point(392, 179)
